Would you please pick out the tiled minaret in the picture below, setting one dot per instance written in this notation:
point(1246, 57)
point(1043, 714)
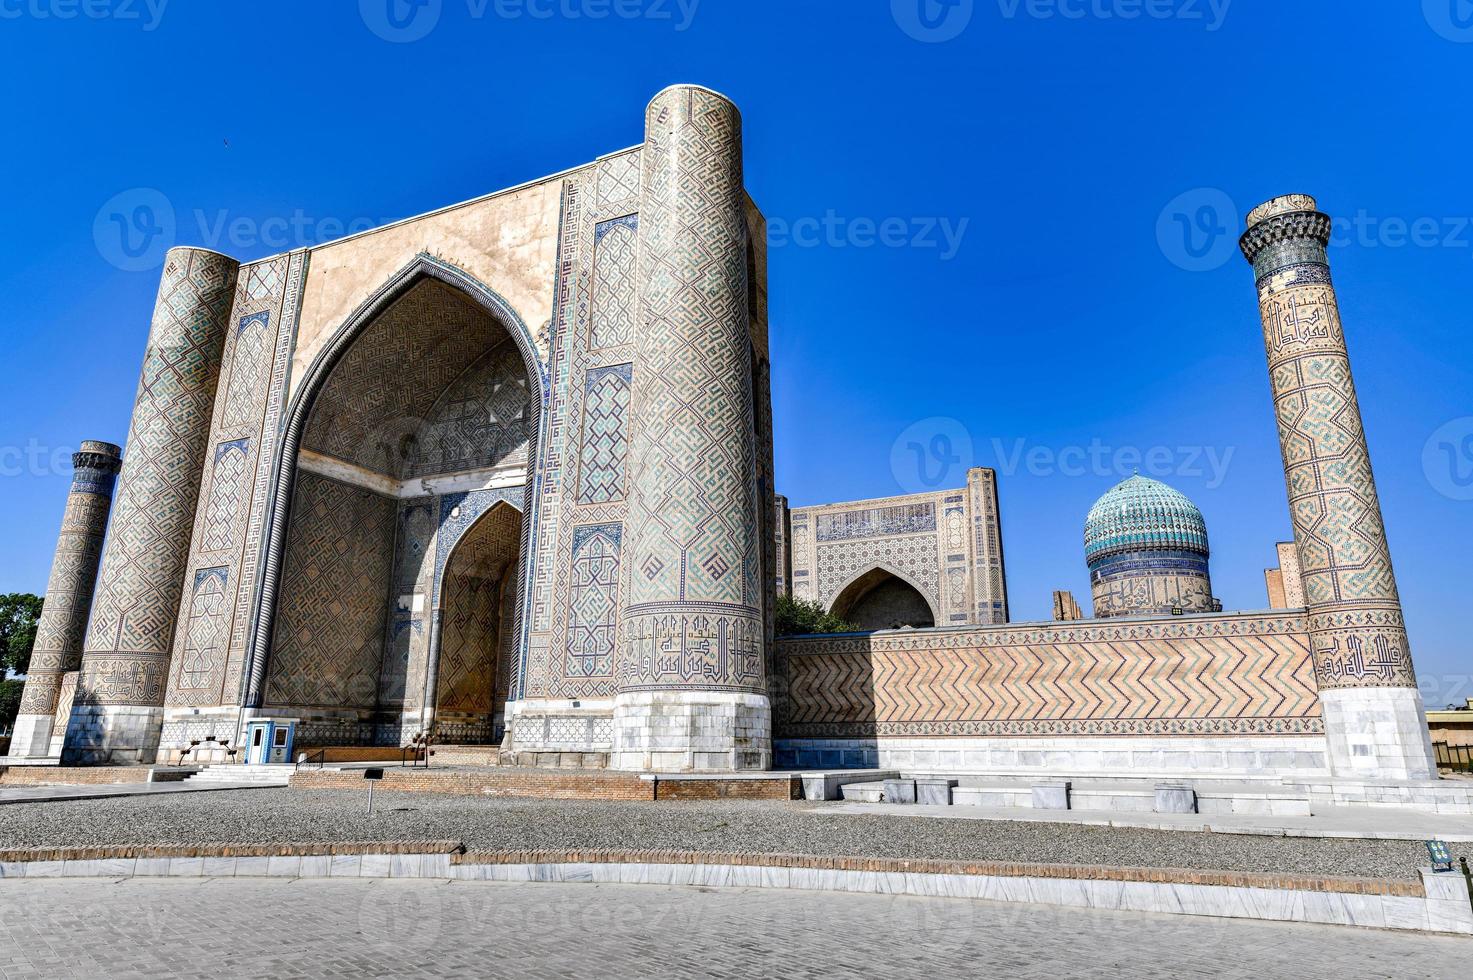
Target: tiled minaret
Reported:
point(691, 676)
point(118, 711)
point(63, 623)
point(1374, 720)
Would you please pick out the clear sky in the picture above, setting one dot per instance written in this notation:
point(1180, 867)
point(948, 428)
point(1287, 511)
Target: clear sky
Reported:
point(1003, 230)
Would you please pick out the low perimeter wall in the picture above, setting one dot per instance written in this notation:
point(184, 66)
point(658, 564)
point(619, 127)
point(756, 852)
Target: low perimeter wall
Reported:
point(1234, 694)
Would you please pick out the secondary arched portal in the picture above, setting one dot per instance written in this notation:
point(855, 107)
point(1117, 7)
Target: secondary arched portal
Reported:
point(420, 426)
point(881, 600)
point(470, 665)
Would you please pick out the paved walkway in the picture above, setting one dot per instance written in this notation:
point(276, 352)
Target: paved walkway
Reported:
point(1363, 823)
point(241, 928)
point(77, 791)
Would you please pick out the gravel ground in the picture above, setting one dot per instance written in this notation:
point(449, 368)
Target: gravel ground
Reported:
point(252, 816)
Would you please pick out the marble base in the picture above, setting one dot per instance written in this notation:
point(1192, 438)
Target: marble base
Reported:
point(1267, 757)
point(1050, 796)
point(112, 735)
point(691, 731)
point(1377, 733)
point(900, 791)
point(1175, 798)
point(31, 736)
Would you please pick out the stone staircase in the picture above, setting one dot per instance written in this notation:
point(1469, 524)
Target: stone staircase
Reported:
point(273, 774)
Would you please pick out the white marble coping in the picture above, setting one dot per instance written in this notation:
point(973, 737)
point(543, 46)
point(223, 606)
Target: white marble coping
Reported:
point(1444, 907)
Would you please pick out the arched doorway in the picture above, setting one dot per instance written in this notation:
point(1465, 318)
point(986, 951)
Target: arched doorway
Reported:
point(881, 599)
point(475, 642)
point(423, 407)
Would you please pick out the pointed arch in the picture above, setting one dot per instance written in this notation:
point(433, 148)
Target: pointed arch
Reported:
point(423, 266)
point(864, 583)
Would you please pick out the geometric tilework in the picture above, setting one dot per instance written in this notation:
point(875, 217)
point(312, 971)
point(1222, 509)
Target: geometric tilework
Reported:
point(242, 436)
point(483, 565)
point(206, 633)
point(614, 289)
point(229, 490)
point(1345, 565)
point(479, 421)
point(605, 437)
point(142, 579)
point(593, 613)
point(694, 618)
point(1235, 675)
point(330, 625)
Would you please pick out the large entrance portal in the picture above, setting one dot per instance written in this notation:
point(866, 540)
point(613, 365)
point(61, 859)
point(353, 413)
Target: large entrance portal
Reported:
point(398, 585)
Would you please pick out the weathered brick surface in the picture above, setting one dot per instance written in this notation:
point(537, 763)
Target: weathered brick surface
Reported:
point(776, 788)
point(300, 849)
point(537, 783)
point(72, 775)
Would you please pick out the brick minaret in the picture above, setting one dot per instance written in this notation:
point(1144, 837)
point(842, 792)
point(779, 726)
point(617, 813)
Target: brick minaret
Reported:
point(63, 623)
point(692, 686)
point(118, 711)
point(1374, 720)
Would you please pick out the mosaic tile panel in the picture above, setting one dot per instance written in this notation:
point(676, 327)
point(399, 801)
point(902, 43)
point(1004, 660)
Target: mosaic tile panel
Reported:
point(593, 614)
point(603, 453)
point(481, 419)
point(615, 288)
point(1231, 675)
point(206, 629)
point(331, 621)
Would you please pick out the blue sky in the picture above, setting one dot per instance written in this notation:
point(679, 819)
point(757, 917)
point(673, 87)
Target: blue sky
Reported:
point(1003, 229)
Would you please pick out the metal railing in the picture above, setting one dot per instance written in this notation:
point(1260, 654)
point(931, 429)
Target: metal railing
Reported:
point(320, 757)
point(1458, 758)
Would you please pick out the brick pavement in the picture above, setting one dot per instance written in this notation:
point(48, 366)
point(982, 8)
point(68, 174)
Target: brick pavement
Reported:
point(245, 928)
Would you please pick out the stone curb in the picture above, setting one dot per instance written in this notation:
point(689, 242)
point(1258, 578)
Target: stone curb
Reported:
point(1437, 903)
point(1179, 876)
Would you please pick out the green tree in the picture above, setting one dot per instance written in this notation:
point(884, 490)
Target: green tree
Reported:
point(19, 612)
point(798, 616)
point(9, 702)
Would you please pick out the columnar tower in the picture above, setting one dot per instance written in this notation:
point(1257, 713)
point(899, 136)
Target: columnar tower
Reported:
point(118, 710)
point(1146, 547)
point(1374, 721)
point(63, 623)
point(691, 679)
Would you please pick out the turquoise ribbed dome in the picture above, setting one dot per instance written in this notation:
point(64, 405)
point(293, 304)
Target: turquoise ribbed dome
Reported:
point(1143, 515)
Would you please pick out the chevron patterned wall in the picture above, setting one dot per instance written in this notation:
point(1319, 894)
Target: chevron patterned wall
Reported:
point(1225, 675)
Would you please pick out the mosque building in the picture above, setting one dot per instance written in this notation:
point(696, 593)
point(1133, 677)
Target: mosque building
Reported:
point(1146, 547)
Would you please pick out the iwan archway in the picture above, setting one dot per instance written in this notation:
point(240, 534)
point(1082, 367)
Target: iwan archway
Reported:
point(397, 537)
point(883, 598)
